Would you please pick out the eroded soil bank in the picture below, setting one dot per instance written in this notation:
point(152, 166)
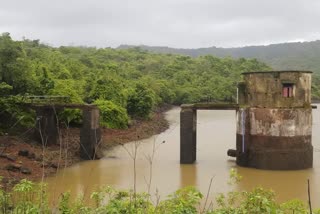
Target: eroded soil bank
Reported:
point(21, 157)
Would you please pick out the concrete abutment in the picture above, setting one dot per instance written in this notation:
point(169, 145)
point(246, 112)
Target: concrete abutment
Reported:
point(90, 134)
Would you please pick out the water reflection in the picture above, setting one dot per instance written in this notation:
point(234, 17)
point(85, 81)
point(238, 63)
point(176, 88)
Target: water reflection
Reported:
point(188, 175)
point(286, 184)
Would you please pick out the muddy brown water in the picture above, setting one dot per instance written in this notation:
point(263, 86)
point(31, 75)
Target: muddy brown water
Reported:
point(216, 133)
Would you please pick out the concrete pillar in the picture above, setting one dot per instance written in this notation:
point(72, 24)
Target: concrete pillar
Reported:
point(90, 134)
point(46, 126)
point(188, 135)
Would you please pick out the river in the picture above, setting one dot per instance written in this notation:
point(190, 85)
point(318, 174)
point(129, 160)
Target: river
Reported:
point(216, 133)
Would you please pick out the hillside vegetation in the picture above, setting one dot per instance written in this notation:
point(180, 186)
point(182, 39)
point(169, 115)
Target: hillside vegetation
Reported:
point(125, 84)
point(286, 56)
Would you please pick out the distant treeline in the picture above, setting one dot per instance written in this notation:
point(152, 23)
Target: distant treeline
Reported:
point(284, 56)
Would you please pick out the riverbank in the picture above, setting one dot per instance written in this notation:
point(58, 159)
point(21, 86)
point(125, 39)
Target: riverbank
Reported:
point(21, 157)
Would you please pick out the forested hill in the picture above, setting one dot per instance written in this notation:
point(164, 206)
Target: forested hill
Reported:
point(297, 55)
point(123, 83)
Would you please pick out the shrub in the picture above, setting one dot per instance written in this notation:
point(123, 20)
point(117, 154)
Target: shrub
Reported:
point(70, 116)
point(112, 115)
point(140, 101)
point(15, 114)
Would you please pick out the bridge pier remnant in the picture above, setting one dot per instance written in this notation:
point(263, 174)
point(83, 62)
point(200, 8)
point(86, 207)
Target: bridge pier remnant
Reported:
point(188, 128)
point(90, 134)
point(188, 135)
point(46, 125)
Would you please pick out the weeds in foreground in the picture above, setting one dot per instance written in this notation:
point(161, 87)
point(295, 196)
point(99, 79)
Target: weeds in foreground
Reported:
point(27, 197)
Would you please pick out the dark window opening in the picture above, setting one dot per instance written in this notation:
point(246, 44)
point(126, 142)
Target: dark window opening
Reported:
point(287, 90)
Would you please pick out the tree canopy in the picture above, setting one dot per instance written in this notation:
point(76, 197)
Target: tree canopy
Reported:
point(132, 81)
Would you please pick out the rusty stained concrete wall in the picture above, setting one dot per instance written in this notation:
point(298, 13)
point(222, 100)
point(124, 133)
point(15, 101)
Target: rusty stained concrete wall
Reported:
point(278, 122)
point(274, 138)
point(265, 89)
point(274, 131)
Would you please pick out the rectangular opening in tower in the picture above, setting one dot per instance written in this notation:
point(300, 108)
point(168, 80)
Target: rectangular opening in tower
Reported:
point(287, 89)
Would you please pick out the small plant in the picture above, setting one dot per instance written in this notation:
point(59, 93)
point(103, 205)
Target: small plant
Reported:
point(182, 201)
point(64, 205)
point(5, 200)
point(294, 206)
point(234, 177)
point(29, 197)
point(259, 201)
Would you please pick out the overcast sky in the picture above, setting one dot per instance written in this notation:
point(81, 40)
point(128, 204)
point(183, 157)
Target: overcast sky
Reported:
point(173, 23)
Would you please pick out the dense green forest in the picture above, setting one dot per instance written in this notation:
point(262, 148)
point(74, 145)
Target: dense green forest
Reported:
point(124, 83)
point(285, 56)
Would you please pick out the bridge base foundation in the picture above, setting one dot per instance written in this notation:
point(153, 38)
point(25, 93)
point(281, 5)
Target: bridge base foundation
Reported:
point(46, 126)
point(90, 134)
point(188, 136)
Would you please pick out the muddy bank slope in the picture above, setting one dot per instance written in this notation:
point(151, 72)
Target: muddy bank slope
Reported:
point(21, 157)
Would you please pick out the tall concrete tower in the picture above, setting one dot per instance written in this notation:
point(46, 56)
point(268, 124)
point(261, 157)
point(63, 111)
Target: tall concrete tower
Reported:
point(274, 120)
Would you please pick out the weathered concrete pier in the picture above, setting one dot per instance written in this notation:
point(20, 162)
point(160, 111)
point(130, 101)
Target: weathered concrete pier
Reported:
point(274, 122)
point(188, 128)
point(47, 126)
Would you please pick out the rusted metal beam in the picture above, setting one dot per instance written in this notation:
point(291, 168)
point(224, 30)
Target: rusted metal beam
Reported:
point(61, 106)
point(211, 106)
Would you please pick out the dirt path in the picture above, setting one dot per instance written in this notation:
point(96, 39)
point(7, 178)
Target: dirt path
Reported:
point(21, 157)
